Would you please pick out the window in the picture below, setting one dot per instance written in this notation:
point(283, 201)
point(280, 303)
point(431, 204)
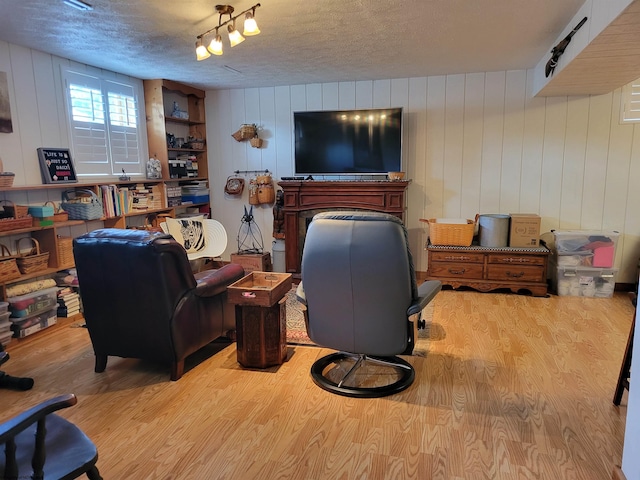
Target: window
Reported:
point(104, 125)
point(630, 110)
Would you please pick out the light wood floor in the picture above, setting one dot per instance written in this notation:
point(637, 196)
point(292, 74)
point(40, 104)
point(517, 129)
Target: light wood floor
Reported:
point(512, 387)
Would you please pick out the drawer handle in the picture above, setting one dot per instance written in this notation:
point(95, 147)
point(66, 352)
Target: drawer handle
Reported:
point(457, 272)
point(516, 260)
point(462, 257)
point(515, 275)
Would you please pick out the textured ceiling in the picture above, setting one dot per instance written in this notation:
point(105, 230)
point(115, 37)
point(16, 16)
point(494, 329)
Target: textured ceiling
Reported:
point(301, 41)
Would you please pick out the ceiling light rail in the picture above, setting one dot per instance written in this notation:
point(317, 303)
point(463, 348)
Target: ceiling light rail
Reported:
point(215, 47)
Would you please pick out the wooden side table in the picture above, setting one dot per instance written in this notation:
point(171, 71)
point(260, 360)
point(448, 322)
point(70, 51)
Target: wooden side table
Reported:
point(261, 318)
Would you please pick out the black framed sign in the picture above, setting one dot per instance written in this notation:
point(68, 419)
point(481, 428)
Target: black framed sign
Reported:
point(56, 165)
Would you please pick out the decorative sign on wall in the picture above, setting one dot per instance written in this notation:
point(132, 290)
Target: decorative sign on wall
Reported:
point(56, 165)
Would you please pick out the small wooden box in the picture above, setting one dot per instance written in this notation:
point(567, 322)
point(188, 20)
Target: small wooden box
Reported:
point(252, 262)
point(259, 289)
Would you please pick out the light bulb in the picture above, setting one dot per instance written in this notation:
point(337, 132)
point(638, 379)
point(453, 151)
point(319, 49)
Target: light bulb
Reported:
point(201, 51)
point(215, 46)
point(234, 36)
point(250, 25)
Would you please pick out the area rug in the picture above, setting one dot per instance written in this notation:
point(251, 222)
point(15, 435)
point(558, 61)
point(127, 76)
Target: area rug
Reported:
point(297, 331)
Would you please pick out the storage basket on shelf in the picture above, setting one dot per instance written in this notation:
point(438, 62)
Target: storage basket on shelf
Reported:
point(443, 232)
point(13, 210)
point(82, 204)
point(32, 260)
point(6, 178)
point(8, 266)
point(8, 224)
point(65, 251)
point(59, 215)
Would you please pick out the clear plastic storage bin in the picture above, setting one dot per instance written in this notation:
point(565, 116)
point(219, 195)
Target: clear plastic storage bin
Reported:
point(584, 281)
point(587, 248)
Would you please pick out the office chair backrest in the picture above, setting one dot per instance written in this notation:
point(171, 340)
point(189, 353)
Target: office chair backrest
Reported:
point(359, 281)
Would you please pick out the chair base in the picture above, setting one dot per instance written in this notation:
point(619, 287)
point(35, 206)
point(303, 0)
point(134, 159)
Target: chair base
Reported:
point(406, 375)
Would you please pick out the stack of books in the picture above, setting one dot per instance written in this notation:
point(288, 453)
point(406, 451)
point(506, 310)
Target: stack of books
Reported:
point(68, 303)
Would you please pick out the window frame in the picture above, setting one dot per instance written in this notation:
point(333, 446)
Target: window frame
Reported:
point(107, 148)
point(630, 103)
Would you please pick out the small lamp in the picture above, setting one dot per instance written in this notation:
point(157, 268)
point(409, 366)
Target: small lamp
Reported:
point(234, 35)
point(250, 25)
point(201, 51)
point(215, 46)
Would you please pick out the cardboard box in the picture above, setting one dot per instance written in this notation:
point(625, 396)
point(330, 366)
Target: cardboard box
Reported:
point(524, 230)
point(252, 262)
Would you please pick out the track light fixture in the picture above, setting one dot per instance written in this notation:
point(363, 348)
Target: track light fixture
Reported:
point(235, 37)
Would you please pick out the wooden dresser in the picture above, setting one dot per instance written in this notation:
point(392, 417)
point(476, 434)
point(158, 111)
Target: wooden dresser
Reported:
point(490, 268)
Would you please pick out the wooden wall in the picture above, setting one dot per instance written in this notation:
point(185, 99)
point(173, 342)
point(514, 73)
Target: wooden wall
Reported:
point(474, 143)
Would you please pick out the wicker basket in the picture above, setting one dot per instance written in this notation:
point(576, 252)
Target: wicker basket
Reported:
point(65, 251)
point(59, 215)
point(33, 260)
point(256, 142)
point(82, 205)
point(7, 224)
point(456, 234)
point(246, 132)
point(6, 178)
point(8, 266)
point(15, 211)
point(197, 145)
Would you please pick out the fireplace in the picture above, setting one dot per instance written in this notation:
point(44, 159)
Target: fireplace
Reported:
point(303, 199)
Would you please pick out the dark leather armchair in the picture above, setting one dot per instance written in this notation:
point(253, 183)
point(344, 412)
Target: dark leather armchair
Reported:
point(40, 444)
point(141, 300)
point(361, 296)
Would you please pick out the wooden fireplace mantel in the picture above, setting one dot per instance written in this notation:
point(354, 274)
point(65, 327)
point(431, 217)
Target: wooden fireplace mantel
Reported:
point(304, 195)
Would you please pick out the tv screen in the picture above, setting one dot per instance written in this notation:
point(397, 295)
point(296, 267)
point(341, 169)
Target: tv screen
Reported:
point(348, 142)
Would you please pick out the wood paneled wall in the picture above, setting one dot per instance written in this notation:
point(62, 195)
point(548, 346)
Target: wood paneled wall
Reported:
point(474, 143)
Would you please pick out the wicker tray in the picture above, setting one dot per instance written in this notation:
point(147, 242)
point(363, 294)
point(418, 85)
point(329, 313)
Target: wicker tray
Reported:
point(8, 266)
point(458, 234)
point(7, 224)
point(32, 260)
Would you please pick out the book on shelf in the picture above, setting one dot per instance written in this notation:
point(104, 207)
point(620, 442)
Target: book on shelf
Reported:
point(66, 312)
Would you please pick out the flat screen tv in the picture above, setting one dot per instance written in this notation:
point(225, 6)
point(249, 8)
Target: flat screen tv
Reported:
point(348, 142)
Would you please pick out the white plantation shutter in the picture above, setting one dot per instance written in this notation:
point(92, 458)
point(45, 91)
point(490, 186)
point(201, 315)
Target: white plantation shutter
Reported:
point(123, 127)
point(104, 125)
point(631, 102)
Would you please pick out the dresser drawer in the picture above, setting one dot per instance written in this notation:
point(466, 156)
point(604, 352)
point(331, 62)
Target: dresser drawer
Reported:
point(457, 257)
point(455, 270)
point(506, 259)
point(516, 273)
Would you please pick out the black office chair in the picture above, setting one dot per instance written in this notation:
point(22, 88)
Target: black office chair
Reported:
point(361, 296)
point(42, 445)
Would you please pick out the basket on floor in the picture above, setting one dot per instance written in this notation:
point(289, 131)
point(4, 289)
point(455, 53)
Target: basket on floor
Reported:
point(59, 215)
point(32, 260)
point(8, 266)
point(82, 205)
point(456, 234)
point(65, 251)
